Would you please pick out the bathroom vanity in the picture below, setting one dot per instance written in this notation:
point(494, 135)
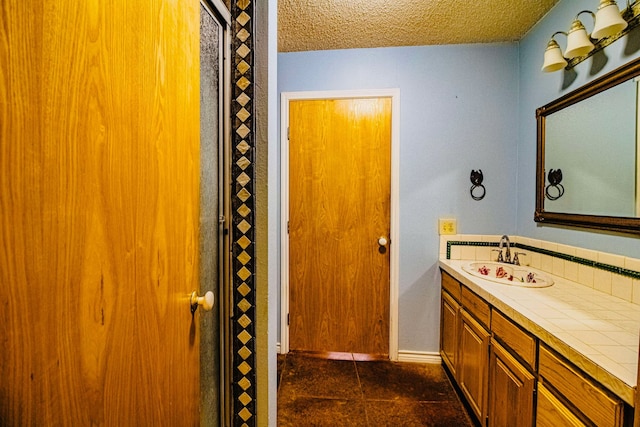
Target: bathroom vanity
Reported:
point(564, 352)
point(525, 356)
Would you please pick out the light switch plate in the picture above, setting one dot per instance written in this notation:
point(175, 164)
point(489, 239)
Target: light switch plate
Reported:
point(447, 226)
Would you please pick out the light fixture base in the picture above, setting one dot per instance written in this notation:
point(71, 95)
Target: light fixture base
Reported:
point(631, 14)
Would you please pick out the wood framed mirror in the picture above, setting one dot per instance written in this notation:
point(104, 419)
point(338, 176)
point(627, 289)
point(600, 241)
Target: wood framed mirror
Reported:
point(588, 156)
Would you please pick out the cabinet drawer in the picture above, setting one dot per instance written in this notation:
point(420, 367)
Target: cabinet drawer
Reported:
point(593, 402)
point(451, 285)
point(521, 342)
point(550, 412)
point(476, 306)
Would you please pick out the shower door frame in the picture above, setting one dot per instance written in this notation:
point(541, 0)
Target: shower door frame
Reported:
point(221, 14)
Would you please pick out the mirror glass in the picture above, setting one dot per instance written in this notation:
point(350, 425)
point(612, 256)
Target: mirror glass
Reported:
point(594, 144)
point(588, 155)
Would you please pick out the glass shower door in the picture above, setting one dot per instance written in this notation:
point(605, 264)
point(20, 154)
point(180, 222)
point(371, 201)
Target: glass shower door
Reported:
point(214, 252)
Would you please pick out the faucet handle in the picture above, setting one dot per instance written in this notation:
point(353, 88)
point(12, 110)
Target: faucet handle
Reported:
point(516, 260)
point(500, 259)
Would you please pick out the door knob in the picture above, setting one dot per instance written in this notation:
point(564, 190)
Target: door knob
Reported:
point(382, 241)
point(205, 301)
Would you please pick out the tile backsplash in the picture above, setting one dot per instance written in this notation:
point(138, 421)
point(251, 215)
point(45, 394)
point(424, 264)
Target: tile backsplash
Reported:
point(612, 274)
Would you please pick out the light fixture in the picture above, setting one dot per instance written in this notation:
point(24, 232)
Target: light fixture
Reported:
point(609, 25)
point(578, 42)
point(609, 22)
point(553, 59)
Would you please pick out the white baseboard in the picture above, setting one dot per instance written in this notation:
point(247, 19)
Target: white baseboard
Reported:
point(419, 357)
point(278, 348)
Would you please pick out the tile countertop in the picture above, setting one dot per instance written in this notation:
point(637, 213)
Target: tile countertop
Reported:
point(599, 333)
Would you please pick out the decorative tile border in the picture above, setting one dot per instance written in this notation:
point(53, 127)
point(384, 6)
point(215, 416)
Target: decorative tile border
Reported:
point(590, 263)
point(467, 243)
point(243, 376)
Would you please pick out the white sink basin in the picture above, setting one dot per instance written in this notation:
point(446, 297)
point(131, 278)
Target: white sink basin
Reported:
point(509, 274)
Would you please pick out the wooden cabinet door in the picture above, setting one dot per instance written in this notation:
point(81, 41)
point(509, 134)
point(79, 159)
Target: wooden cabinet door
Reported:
point(511, 386)
point(473, 363)
point(550, 412)
point(449, 331)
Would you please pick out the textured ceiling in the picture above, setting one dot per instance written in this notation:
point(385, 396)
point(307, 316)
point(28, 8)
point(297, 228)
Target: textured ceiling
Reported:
point(344, 24)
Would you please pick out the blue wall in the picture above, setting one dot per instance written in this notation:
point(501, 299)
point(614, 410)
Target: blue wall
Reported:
point(538, 89)
point(459, 111)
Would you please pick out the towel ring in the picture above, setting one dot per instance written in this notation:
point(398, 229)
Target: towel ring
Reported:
point(478, 196)
point(559, 188)
point(476, 179)
point(554, 177)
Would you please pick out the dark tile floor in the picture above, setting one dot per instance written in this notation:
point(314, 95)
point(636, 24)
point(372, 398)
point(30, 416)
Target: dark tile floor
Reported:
point(315, 391)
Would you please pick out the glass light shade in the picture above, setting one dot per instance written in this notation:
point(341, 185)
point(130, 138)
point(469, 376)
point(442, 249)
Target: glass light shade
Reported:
point(578, 42)
point(609, 22)
point(553, 59)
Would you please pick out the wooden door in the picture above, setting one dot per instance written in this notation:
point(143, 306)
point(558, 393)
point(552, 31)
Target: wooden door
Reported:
point(99, 164)
point(339, 201)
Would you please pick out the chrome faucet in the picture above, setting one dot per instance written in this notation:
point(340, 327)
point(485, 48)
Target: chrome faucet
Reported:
point(504, 240)
point(507, 256)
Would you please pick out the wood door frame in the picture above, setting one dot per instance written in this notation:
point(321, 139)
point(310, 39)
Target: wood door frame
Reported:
point(285, 98)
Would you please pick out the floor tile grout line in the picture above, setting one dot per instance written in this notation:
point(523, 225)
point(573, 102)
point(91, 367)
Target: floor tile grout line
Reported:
point(321, 397)
point(281, 374)
point(362, 399)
